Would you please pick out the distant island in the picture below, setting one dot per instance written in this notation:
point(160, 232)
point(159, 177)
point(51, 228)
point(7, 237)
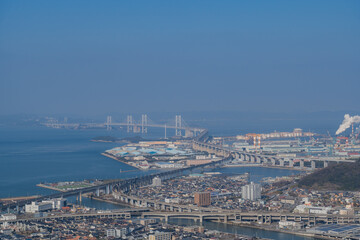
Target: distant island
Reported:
point(134, 139)
point(341, 176)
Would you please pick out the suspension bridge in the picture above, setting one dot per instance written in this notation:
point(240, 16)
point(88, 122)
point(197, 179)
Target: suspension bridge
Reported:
point(135, 126)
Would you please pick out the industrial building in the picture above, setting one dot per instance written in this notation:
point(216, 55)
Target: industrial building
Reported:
point(168, 165)
point(312, 209)
point(38, 207)
point(8, 217)
point(45, 205)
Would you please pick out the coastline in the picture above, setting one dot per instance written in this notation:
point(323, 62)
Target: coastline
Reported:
point(103, 141)
point(49, 187)
point(115, 158)
point(107, 201)
point(19, 198)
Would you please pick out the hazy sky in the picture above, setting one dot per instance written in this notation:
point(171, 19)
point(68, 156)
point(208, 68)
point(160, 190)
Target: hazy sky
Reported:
point(95, 57)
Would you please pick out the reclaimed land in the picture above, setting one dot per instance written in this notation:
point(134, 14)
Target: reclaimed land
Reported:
point(18, 198)
point(101, 199)
point(50, 187)
point(341, 176)
point(119, 160)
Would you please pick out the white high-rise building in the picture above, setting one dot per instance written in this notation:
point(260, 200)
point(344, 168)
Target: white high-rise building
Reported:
point(57, 203)
point(251, 191)
point(110, 232)
point(156, 181)
point(117, 232)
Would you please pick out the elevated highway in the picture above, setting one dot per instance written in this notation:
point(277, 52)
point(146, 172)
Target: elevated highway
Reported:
point(301, 163)
point(126, 213)
point(221, 216)
point(257, 217)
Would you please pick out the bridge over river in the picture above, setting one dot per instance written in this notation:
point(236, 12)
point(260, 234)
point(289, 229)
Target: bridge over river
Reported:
point(258, 217)
point(224, 216)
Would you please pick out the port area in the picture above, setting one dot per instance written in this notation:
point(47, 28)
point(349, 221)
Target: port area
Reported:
point(159, 155)
point(296, 144)
point(71, 185)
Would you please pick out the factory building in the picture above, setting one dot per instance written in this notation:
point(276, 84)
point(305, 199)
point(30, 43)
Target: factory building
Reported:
point(8, 217)
point(45, 205)
point(168, 165)
point(312, 209)
point(38, 207)
point(57, 203)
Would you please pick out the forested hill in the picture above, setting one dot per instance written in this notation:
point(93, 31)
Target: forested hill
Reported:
point(342, 176)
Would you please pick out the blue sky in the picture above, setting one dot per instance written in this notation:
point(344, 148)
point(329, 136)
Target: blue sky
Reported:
point(95, 57)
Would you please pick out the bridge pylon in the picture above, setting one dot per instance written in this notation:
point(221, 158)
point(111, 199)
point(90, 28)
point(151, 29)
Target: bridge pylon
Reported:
point(130, 123)
point(178, 125)
point(144, 123)
point(108, 123)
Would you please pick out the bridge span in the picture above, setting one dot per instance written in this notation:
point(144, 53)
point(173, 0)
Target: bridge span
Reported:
point(124, 213)
point(180, 127)
point(224, 216)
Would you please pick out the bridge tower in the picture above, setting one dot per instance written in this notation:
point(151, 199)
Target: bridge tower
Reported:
point(129, 122)
point(178, 125)
point(108, 123)
point(144, 123)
